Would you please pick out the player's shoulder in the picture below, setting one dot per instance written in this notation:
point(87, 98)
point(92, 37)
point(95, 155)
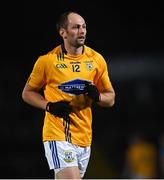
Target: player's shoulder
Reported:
point(90, 52)
point(95, 55)
point(49, 55)
point(54, 51)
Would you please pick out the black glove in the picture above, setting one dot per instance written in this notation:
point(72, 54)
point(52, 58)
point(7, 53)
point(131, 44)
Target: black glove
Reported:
point(60, 109)
point(91, 91)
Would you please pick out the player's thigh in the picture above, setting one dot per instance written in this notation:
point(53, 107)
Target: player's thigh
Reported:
point(62, 157)
point(83, 160)
point(69, 173)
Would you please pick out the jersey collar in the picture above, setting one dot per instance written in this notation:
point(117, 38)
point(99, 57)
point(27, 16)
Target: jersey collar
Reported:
point(64, 50)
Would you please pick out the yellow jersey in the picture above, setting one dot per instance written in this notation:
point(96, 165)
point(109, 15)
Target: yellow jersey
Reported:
point(63, 77)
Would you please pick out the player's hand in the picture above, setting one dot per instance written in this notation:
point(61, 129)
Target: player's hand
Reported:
point(60, 108)
point(92, 92)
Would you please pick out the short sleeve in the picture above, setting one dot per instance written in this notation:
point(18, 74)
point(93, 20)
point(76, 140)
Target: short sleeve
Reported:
point(37, 76)
point(103, 80)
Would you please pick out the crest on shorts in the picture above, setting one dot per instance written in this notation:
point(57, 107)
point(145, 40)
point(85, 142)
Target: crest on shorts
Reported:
point(69, 156)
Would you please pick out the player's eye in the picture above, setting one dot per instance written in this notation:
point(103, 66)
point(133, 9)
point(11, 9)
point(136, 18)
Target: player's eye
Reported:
point(84, 26)
point(77, 26)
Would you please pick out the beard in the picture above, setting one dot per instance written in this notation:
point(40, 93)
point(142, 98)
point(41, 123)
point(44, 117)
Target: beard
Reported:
point(78, 42)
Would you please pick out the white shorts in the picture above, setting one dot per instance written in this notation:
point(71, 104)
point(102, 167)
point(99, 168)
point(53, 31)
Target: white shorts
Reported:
point(62, 154)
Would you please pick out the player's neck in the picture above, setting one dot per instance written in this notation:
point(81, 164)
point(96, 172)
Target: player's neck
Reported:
point(73, 50)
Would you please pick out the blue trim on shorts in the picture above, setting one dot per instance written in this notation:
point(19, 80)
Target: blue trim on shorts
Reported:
point(55, 157)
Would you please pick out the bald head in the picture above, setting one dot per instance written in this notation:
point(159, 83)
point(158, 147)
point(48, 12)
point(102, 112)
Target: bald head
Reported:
point(69, 18)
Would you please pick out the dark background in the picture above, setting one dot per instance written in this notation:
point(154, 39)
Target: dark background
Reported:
point(130, 37)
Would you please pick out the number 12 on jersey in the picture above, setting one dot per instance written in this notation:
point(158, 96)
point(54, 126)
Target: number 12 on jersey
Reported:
point(76, 68)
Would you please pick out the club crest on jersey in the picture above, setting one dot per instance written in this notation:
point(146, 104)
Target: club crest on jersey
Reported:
point(69, 157)
point(75, 86)
point(89, 65)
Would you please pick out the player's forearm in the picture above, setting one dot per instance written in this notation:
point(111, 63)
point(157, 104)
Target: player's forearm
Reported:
point(107, 99)
point(35, 99)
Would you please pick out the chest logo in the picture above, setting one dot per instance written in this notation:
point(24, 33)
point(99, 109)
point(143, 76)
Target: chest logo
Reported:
point(75, 86)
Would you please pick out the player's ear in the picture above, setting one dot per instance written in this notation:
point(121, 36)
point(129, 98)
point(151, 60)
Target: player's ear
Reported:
point(62, 33)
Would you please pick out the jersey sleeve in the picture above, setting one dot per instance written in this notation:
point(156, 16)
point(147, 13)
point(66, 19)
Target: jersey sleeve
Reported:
point(103, 80)
point(37, 76)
